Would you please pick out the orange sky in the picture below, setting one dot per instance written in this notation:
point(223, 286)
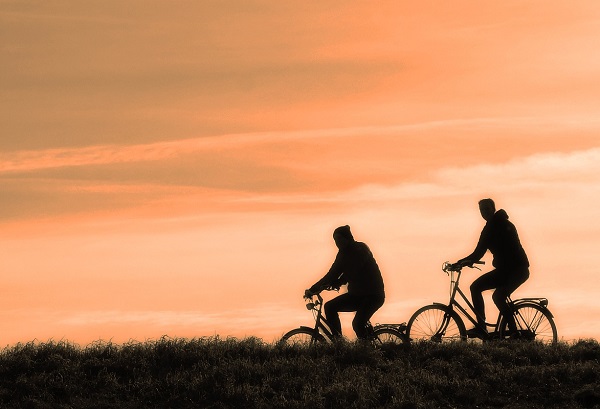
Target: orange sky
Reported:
point(178, 168)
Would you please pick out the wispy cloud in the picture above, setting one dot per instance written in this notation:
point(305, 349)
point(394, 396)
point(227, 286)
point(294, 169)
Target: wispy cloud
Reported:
point(550, 170)
point(28, 160)
point(580, 167)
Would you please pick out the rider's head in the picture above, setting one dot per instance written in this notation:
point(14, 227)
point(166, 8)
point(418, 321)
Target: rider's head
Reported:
point(487, 207)
point(342, 236)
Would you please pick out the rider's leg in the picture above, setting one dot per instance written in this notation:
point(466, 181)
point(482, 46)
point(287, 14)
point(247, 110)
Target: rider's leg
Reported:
point(514, 280)
point(367, 307)
point(486, 282)
point(342, 303)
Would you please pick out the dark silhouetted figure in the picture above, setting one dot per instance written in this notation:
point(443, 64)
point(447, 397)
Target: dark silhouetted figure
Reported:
point(500, 237)
point(354, 265)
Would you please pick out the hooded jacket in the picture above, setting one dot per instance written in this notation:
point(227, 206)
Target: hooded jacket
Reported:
point(500, 237)
point(355, 266)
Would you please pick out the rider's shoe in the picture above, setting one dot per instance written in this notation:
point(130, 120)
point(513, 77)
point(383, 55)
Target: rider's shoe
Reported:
point(517, 336)
point(477, 332)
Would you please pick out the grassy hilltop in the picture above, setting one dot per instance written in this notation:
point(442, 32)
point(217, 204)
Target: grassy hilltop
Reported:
point(248, 373)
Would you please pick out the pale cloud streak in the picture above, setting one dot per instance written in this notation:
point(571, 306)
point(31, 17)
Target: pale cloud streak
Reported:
point(30, 160)
point(552, 169)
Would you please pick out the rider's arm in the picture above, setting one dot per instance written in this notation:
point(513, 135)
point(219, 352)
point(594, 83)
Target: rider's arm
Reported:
point(332, 278)
point(478, 253)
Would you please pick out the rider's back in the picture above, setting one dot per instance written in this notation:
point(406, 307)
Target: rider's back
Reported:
point(359, 269)
point(500, 236)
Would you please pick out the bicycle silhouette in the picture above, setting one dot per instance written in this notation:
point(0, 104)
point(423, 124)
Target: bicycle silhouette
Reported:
point(321, 332)
point(441, 322)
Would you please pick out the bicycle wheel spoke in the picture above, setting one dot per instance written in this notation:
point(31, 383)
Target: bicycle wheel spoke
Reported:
point(535, 323)
point(433, 323)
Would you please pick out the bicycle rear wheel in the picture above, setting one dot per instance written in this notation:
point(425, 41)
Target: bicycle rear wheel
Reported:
point(436, 323)
point(383, 336)
point(302, 336)
point(534, 323)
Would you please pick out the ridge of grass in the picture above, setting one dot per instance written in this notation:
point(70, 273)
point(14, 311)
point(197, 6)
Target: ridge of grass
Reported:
point(230, 373)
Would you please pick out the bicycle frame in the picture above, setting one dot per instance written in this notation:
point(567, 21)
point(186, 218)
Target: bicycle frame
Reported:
point(453, 303)
point(321, 324)
point(323, 327)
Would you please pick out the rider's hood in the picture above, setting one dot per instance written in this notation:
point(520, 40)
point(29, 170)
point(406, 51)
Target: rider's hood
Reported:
point(501, 215)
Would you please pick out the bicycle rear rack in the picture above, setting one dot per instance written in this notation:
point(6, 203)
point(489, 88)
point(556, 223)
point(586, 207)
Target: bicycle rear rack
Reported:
point(398, 327)
point(543, 302)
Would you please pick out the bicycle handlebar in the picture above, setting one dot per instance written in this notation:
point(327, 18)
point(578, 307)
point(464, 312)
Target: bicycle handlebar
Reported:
point(447, 266)
point(311, 305)
point(308, 294)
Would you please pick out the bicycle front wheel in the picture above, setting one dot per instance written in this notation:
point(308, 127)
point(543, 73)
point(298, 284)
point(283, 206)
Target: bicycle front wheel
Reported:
point(302, 336)
point(383, 336)
point(534, 322)
point(436, 323)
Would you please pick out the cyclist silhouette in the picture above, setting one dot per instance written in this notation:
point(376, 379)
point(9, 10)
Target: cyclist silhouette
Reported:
point(354, 265)
point(500, 237)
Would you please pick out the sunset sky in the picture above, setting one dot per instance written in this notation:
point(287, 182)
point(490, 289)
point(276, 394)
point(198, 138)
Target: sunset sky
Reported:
point(177, 167)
